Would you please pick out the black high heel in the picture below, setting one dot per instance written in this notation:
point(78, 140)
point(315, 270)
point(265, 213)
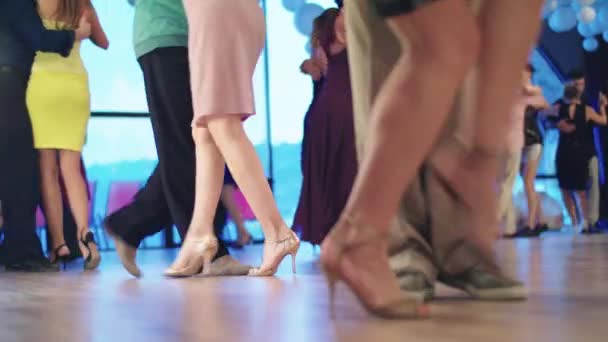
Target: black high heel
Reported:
point(63, 259)
point(90, 262)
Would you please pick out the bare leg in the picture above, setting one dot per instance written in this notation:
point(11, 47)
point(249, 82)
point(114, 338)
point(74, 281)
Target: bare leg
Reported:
point(228, 199)
point(246, 168)
point(76, 188)
point(530, 169)
point(407, 117)
point(209, 176)
point(51, 200)
point(570, 206)
point(508, 30)
point(584, 202)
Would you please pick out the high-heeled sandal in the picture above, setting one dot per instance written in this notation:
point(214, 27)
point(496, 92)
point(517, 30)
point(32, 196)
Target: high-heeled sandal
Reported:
point(292, 243)
point(404, 308)
point(205, 250)
point(57, 258)
point(91, 261)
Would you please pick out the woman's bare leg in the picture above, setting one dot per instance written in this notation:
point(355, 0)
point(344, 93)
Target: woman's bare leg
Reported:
point(530, 169)
point(407, 117)
point(209, 179)
point(570, 206)
point(76, 189)
point(246, 168)
point(51, 199)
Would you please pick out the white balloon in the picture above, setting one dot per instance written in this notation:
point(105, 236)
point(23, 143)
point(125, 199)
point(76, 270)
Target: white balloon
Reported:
point(587, 14)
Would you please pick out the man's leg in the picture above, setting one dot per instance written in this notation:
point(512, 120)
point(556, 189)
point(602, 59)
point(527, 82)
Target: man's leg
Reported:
point(594, 192)
point(19, 176)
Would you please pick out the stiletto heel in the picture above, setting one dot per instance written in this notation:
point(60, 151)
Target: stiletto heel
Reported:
point(292, 244)
point(91, 261)
point(331, 287)
point(402, 308)
point(205, 250)
point(293, 263)
point(63, 259)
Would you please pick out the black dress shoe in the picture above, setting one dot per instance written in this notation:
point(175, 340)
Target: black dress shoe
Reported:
point(34, 266)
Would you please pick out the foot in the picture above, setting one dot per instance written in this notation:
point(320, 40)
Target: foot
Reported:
point(541, 228)
point(525, 232)
point(415, 284)
point(89, 249)
point(125, 252)
point(194, 256)
point(486, 285)
point(591, 229)
point(471, 176)
point(226, 266)
point(358, 257)
point(60, 252)
point(275, 252)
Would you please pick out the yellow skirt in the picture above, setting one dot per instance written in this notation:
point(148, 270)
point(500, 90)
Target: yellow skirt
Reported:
point(59, 106)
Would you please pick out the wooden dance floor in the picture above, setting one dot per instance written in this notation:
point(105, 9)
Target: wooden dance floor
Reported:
point(567, 275)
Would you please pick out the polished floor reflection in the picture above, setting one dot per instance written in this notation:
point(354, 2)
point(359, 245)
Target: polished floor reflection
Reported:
point(567, 275)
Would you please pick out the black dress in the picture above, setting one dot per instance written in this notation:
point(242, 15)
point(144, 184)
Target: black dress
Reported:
point(532, 133)
point(573, 151)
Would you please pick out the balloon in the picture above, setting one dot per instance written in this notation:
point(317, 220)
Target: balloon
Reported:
point(563, 19)
point(602, 16)
point(597, 27)
point(605, 36)
point(587, 14)
point(585, 29)
point(590, 44)
point(293, 5)
point(305, 16)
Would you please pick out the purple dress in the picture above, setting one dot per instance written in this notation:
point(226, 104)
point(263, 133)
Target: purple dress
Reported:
point(329, 159)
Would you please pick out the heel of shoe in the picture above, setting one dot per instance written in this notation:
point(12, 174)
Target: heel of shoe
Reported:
point(332, 279)
point(293, 263)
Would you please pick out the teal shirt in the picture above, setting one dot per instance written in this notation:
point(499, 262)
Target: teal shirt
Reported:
point(159, 24)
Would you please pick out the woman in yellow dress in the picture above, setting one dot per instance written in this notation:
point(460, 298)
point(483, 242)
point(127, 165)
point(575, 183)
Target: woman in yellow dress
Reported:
point(59, 105)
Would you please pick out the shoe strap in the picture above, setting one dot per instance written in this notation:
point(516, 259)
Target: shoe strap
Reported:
point(365, 235)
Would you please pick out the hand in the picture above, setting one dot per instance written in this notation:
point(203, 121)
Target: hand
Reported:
point(84, 29)
point(311, 68)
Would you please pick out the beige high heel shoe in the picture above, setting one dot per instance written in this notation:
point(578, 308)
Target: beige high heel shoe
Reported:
point(202, 251)
point(338, 244)
point(290, 246)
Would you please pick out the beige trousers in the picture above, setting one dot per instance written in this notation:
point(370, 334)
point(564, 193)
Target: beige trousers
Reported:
point(428, 234)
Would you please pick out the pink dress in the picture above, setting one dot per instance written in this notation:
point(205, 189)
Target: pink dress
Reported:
point(225, 40)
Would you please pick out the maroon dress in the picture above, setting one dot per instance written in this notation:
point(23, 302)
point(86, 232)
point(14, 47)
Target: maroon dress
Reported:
point(329, 160)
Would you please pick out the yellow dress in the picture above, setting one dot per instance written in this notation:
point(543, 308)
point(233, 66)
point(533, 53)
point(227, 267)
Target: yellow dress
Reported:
point(58, 99)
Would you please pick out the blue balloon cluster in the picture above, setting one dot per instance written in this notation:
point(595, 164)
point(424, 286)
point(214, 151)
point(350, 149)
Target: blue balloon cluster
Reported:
point(563, 19)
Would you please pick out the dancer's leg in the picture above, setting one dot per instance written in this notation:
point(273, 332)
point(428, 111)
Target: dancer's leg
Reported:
point(51, 200)
point(246, 168)
point(209, 179)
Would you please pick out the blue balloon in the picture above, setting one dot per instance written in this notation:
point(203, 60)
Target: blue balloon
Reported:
point(590, 44)
point(605, 36)
point(602, 16)
point(305, 16)
point(585, 29)
point(293, 5)
point(563, 19)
